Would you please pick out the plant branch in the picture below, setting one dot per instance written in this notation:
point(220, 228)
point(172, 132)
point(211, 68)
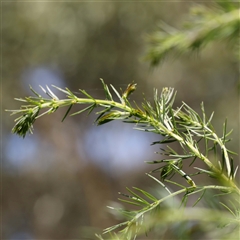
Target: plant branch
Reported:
point(174, 125)
point(205, 26)
point(182, 125)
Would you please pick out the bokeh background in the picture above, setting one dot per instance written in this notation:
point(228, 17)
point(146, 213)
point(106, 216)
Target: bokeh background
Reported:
point(57, 183)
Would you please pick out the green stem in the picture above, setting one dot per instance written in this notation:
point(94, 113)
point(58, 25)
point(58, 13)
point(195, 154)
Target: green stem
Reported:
point(149, 119)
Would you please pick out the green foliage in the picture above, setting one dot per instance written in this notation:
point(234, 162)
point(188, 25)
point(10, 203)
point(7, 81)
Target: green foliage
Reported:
point(180, 128)
point(204, 26)
point(181, 125)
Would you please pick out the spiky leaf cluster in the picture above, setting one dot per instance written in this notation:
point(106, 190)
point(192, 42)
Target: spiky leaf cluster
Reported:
point(181, 125)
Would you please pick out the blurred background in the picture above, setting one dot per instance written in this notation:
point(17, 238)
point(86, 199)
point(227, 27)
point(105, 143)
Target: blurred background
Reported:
point(57, 183)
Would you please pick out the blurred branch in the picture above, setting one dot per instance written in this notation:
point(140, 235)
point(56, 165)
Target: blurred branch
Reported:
point(204, 26)
point(205, 218)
